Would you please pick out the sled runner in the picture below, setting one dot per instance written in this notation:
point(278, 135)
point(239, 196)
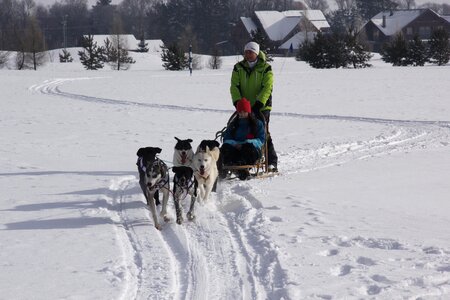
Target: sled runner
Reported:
point(258, 170)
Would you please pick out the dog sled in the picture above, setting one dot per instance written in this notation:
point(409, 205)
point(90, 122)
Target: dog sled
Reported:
point(258, 170)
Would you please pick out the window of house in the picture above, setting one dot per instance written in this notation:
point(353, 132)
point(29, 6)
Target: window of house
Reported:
point(425, 32)
point(409, 31)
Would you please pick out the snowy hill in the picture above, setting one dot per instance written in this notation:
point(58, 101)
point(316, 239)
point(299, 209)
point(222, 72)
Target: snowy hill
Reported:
point(360, 210)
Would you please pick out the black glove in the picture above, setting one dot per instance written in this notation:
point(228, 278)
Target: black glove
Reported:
point(257, 107)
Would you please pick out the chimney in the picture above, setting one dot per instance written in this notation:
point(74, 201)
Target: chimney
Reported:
point(384, 22)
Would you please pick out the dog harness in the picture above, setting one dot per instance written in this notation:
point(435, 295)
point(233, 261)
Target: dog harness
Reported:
point(184, 189)
point(164, 181)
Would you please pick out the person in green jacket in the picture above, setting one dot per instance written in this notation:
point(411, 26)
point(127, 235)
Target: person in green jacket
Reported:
point(252, 78)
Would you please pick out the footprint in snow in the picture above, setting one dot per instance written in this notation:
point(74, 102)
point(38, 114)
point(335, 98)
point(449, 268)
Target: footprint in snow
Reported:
point(381, 279)
point(373, 290)
point(365, 261)
point(445, 268)
point(330, 252)
point(341, 271)
point(432, 250)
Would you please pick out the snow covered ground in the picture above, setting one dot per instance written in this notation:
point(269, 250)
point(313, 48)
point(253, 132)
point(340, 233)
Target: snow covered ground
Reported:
point(360, 210)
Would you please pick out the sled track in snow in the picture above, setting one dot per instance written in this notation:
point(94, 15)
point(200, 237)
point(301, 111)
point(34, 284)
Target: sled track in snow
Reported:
point(52, 87)
point(398, 135)
point(215, 257)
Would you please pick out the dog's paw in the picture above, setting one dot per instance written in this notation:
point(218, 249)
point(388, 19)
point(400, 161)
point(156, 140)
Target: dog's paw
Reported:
point(179, 221)
point(166, 218)
point(190, 216)
point(158, 226)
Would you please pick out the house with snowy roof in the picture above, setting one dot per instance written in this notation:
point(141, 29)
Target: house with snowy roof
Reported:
point(129, 41)
point(387, 24)
point(283, 30)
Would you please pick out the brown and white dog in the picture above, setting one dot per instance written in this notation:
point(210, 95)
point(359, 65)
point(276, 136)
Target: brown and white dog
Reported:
point(205, 169)
point(153, 177)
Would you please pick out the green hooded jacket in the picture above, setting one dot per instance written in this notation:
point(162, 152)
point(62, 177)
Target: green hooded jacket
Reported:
point(254, 84)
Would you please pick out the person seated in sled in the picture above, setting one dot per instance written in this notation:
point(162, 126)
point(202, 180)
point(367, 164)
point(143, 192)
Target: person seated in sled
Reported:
point(243, 139)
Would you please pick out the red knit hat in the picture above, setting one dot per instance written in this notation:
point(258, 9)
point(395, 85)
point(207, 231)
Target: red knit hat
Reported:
point(243, 105)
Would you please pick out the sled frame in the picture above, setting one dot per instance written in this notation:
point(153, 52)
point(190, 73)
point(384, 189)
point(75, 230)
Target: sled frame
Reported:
point(261, 168)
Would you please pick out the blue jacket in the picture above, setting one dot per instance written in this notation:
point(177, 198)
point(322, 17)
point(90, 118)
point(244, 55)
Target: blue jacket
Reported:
point(242, 132)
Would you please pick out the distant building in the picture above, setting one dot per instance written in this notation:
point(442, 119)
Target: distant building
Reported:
point(386, 25)
point(282, 30)
point(130, 41)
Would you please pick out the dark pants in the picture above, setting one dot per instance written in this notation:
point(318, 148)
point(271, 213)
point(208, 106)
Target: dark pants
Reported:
point(273, 158)
point(246, 155)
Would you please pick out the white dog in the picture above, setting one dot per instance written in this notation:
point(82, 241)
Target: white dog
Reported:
point(205, 171)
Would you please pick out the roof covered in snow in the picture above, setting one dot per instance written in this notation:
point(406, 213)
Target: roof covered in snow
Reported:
point(249, 24)
point(279, 24)
point(296, 40)
point(130, 41)
point(395, 20)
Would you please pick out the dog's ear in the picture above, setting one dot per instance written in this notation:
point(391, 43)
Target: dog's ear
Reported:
point(140, 152)
point(189, 140)
point(175, 169)
point(178, 140)
point(157, 150)
point(215, 153)
point(216, 143)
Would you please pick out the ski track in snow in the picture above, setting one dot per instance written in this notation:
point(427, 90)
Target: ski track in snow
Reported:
point(225, 252)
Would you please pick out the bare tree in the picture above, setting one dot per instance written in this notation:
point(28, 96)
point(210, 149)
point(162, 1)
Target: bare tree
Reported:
point(35, 43)
point(119, 58)
point(215, 61)
point(318, 4)
point(4, 57)
point(438, 8)
point(345, 4)
point(31, 46)
point(406, 4)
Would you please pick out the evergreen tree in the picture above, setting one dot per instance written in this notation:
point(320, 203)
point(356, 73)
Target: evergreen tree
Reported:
point(107, 52)
point(259, 37)
point(369, 8)
point(174, 58)
point(142, 46)
point(92, 56)
point(345, 20)
point(417, 52)
point(357, 55)
point(396, 52)
point(304, 51)
point(65, 56)
point(439, 47)
point(334, 51)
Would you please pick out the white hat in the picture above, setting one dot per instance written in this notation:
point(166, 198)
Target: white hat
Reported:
point(252, 46)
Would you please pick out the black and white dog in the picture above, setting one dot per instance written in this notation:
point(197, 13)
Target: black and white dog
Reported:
point(153, 177)
point(183, 154)
point(211, 144)
point(184, 184)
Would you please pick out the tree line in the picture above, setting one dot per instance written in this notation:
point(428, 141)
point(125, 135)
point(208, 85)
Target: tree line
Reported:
point(206, 24)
